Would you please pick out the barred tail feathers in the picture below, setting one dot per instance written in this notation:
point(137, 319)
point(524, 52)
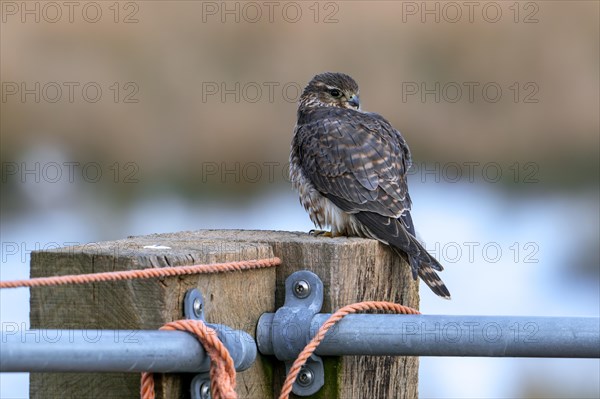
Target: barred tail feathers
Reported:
point(420, 267)
point(397, 234)
point(433, 281)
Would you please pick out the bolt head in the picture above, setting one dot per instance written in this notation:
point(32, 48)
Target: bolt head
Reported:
point(301, 289)
point(205, 391)
point(197, 307)
point(305, 377)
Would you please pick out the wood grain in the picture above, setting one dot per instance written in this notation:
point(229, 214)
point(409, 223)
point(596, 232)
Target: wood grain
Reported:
point(352, 270)
point(236, 299)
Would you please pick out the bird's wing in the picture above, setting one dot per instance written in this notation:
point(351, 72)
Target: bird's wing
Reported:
point(360, 163)
point(357, 160)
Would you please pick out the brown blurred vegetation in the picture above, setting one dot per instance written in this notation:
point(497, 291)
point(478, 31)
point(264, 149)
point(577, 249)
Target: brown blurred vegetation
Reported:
point(171, 52)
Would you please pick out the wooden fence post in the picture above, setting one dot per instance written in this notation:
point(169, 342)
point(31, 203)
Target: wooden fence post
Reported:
point(352, 270)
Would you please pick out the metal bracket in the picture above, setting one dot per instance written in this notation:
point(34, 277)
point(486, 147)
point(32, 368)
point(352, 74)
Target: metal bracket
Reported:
point(193, 309)
point(311, 377)
point(240, 344)
point(193, 305)
point(291, 329)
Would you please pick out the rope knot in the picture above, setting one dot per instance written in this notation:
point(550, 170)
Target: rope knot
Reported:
point(222, 369)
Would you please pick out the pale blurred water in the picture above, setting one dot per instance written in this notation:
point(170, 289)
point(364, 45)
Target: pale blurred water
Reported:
point(527, 267)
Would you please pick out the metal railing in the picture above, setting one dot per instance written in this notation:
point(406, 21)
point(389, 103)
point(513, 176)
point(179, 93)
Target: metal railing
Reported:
point(118, 350)
point(136, 351)
point(438, 335)
point(286, 332)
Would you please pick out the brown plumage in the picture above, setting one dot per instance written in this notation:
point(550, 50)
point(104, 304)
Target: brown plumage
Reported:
point(350, 168)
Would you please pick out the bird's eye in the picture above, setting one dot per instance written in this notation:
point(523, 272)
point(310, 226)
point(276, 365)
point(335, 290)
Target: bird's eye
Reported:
point(335, 93)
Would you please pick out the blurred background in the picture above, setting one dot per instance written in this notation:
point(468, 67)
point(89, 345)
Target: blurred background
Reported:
point(136, 117)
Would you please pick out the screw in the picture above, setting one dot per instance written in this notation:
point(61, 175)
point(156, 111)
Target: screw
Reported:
point(205, 390)
point(301, 289)
point(305, 377)
point(197, 306)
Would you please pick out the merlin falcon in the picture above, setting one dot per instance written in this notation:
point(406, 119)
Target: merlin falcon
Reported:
point(350, 169)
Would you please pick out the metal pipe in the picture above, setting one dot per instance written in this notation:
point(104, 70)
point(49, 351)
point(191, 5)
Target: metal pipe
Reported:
point(117, 350)
point(438, 335)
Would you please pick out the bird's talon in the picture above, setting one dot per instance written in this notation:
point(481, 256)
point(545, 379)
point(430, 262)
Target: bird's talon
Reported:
point(320, 233)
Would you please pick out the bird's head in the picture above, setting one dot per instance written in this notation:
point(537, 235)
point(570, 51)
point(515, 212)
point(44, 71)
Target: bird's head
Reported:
point(331, 89)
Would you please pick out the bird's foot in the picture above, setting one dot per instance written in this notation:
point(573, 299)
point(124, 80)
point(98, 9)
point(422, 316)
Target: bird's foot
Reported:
point(321, 233)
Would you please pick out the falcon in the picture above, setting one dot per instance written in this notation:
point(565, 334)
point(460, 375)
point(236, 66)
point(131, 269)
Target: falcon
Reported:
point(350, 170)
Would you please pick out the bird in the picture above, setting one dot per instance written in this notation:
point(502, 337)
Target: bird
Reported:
point(350, 169)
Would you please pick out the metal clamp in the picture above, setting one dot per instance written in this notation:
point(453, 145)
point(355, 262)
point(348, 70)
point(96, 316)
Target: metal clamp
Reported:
point(286, 332)
point(291, 329)
point(193, 309)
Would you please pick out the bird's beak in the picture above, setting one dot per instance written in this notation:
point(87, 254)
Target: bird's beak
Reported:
point(354, 101)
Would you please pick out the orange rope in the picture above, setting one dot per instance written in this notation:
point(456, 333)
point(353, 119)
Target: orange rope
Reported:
point(310, 348)
point(222, 369)
point(144, 273)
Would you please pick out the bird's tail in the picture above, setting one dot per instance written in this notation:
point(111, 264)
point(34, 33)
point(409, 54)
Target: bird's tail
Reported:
point(433, 281)
point(424, 265)
point(399, 234)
